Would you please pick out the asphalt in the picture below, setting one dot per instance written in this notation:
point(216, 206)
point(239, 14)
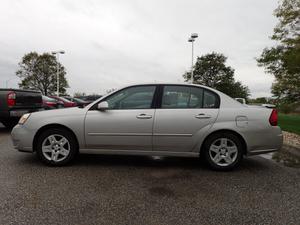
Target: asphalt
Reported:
point(99, 189)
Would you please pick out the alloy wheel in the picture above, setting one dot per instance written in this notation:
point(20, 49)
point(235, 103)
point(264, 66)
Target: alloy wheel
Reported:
point(56, 148)
point(223, 152)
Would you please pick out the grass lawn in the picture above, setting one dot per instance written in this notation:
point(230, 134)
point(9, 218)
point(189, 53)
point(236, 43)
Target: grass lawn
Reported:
point(290, 123)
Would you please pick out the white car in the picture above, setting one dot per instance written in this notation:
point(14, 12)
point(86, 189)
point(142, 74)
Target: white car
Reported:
point(153, 119)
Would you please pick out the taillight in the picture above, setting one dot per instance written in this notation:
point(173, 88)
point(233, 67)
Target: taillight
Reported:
point(11, 98)
point(273, 118)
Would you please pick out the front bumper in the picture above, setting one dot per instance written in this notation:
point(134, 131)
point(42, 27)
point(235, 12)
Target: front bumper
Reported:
point(22, 138)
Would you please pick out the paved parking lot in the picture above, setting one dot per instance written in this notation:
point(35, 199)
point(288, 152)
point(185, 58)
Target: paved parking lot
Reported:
point(140, 190)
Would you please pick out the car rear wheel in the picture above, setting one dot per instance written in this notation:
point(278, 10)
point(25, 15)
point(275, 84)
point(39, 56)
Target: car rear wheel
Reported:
point(223, 151)
point(56, 147)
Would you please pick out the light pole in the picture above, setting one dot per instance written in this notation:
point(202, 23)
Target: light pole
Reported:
point(56, 53)
point(192, 39)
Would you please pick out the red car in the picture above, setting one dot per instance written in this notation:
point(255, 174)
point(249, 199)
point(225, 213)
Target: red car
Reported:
point(51, 103)
point(66, 102)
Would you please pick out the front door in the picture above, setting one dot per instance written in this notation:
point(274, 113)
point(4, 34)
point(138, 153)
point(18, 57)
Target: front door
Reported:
point(128, 122)
point(185, 114)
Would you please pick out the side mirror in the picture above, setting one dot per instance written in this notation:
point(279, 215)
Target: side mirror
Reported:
point(103, 106)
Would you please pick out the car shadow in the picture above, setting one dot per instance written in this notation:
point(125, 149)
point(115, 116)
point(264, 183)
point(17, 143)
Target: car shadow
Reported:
point(92, 160)
point(98, 161)
point(137, 161)
point(105, 161)
point(255, 163)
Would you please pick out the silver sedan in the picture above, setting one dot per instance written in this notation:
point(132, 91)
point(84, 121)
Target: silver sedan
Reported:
point(153, 119)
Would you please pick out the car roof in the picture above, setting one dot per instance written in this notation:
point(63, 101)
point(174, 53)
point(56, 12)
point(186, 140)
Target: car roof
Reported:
point(171, 83)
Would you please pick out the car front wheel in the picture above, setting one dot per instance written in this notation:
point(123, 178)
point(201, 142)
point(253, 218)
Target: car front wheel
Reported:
point(56, 147)
point(223, 151)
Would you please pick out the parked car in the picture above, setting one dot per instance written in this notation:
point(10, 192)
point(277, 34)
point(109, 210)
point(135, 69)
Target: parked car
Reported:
point(67, 103)
point(51, 103)
point(153, 119)
point(78, 101)
point(14, 103)
point(241, 100)
point(90, 98)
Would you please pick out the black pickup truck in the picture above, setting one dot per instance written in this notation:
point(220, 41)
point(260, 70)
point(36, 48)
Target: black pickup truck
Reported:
point(14, 103)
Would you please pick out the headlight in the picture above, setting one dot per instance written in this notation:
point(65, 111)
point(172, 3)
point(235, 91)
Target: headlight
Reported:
point(24, 118)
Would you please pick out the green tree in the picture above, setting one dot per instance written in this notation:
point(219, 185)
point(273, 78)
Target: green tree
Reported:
point(283, 59)
point(39, 72)
point(260, 100)
point(211, 70)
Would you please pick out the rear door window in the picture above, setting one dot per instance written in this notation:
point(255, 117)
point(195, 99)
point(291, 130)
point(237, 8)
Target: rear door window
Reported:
point(175, 96)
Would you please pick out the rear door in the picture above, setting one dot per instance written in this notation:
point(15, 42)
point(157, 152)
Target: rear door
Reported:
point(185, 113)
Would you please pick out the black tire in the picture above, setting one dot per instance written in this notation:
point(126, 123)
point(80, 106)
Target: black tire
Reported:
point(215, 139)
point(72, 144)
point(10, 123)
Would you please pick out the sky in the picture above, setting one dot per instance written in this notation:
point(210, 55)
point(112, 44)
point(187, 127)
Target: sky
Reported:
point(113, 43)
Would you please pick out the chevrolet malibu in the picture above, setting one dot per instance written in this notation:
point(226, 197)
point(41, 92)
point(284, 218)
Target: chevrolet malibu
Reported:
point(153, 119)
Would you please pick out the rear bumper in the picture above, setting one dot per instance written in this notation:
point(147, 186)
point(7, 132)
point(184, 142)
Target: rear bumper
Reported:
point(17, 113)
point(22, 138)
point(270, 141)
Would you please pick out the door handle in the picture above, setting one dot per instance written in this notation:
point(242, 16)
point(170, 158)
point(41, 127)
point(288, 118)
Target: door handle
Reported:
point(202, 116)
point(143, 116)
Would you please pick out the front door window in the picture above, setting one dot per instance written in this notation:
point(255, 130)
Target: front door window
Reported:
point(132, 98)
